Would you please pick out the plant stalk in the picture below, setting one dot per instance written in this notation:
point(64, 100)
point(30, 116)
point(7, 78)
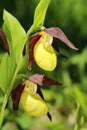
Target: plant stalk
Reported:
point(2, 113)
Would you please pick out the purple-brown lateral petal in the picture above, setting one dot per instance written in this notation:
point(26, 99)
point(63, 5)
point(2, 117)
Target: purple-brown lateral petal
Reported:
point(49, 116)
point(41, 94)
point(41, 79)
point(4, 40)
point(58, 33)
point(32, 44)
point(37, 78)
point(56, 47)
point(16, 94)
point(49, 81)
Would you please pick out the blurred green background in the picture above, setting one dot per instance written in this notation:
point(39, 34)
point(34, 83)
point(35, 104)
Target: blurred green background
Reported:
point(68, 105)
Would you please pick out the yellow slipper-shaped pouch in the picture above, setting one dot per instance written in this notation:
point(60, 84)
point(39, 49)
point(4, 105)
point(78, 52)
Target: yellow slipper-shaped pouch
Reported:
point(44, 53)
point(33, 105)
point(31, 101)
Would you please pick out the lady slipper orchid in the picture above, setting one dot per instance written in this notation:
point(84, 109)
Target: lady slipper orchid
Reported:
point(29, 94)
point(43, 48)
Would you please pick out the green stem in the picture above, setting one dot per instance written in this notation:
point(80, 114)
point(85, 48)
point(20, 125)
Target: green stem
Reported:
point(2, 113)
point(3, 110)
point(34, 28)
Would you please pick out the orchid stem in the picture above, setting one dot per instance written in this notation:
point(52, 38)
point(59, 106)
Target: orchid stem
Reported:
point(2, 114)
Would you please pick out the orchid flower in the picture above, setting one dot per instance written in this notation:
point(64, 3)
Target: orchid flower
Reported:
point(29, 94)
point(43, 48)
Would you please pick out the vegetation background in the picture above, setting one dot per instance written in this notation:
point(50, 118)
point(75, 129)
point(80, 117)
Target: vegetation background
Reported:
point(68, 105)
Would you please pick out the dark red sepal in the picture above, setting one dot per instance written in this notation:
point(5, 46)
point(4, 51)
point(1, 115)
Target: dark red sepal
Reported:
point(49, 116)
point(40, 92)
point(49, 81)
point(31, 50)
point(56, 47)
point(41, 95)
point(42, 79)
point(16, 94)
point(58, 33)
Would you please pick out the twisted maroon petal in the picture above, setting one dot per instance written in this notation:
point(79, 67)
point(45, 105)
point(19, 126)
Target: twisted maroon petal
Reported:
point(40, 92)
point(56, 47)
point(49, 116)
point(31, 54)
point(58, 33)
point(41, 95)
point(16, 94)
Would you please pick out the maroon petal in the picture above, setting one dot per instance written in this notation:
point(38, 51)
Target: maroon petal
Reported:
point(41, 94)
point(49, 81)
point(32, 44)
point(58, 33)
point(55, 46)
point(4, 40)
point(49, 116)
point(16, 94)
point(41, 79)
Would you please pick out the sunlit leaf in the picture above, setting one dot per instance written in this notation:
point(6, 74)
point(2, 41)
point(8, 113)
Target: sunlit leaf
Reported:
point(7, 69)
point(15, 35)
point(40, 12)
point(81, 99)
point(39, 16)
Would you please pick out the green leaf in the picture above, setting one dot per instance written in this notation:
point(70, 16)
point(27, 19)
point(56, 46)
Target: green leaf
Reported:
point(40, 12)
point(7, 69)
point(15, 35)
point(21, 121)
point(81, 99)
point(11, 64)
point(39, 17)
